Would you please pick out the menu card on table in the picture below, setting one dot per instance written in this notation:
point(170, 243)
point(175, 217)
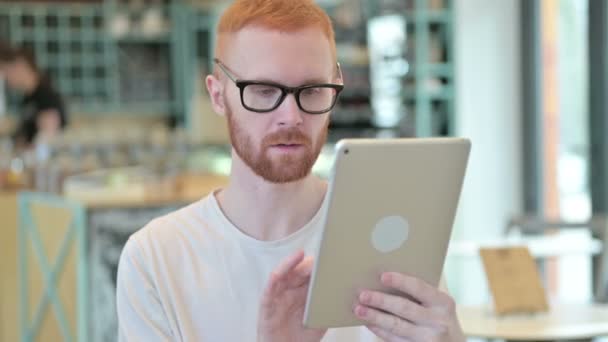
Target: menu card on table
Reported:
point(514, 280)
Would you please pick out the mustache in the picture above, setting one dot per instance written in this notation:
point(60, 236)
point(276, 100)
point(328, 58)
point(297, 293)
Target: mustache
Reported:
point(286, 136)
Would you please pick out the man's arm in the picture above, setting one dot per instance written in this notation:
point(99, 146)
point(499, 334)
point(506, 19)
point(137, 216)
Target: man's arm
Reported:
point(141, 316)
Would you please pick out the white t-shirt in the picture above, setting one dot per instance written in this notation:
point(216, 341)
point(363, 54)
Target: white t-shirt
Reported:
point(193, 276)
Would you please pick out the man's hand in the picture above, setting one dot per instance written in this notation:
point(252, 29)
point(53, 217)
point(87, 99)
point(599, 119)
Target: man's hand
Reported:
point(423, 313)
point(283, 301)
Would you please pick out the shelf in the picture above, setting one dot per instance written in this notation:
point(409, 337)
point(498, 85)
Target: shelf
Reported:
point(17, 7)
point(75, 42)
point(432, 70)
point(141, 38)
point(349, 116)
point(429, 16)
point(432, 95)
point(354, 92)
point(60, 35)
point(140, 108)
point(203, 23)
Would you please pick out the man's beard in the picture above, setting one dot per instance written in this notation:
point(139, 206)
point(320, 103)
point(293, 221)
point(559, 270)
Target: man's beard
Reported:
point(282, 169)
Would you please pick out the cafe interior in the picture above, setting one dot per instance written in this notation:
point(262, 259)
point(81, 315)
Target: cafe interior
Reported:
point(525, 80)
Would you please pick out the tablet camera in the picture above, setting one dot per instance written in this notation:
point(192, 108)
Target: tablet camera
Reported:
point(390, 233)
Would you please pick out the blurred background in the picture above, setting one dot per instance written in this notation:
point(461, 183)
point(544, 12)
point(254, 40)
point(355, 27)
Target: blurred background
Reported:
point(525, 80)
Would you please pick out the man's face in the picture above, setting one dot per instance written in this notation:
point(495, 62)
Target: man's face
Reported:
point(280, 146)
point(285, 155)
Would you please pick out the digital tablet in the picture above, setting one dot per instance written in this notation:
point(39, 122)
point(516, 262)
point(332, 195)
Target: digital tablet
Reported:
point(391, 207)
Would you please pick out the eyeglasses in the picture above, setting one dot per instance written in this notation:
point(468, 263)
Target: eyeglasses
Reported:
point(264, 97)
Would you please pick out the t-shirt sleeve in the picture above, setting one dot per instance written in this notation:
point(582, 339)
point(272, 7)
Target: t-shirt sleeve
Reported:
point(141, 316)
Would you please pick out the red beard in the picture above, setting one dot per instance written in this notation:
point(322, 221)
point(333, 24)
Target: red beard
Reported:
point(282, 169)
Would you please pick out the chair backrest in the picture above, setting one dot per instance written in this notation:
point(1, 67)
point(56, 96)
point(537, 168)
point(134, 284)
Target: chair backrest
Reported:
point(52, 268)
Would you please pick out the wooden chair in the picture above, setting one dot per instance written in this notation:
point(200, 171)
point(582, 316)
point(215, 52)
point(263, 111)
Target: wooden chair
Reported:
point(52, 268)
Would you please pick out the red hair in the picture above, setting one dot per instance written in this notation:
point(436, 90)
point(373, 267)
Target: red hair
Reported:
point(281, 15)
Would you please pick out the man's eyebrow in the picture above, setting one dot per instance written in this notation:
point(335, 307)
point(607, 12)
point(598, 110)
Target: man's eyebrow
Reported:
point(317, 80)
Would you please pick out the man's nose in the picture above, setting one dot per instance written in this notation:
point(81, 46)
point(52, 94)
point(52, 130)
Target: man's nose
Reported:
point(289, 113)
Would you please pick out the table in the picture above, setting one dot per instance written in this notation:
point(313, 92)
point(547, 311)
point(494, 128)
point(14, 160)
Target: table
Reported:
point(542, 246)
point(573, 251)
point(562, 323)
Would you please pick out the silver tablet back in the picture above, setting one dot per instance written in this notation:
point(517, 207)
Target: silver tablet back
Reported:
point(391, 207)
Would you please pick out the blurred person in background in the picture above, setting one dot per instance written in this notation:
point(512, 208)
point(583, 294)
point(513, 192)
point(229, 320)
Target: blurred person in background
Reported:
point(42, 112)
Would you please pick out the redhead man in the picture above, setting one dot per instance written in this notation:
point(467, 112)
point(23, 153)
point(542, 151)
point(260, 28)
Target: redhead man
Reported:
point(232, 266)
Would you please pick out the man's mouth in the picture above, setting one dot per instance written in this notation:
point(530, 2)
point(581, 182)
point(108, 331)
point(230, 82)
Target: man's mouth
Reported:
point(287, 146)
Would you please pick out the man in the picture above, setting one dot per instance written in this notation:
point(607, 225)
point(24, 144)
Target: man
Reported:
point(231, 267)
point(43, 112)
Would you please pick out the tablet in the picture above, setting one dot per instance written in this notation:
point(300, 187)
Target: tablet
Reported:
point(391, 207)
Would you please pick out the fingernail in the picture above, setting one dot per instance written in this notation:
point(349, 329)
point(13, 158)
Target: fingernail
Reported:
point(364, 296)
point(360, 311)
point(386, 278)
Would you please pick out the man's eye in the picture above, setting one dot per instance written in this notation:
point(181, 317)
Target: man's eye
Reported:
point(311, 91)
point(266, 91)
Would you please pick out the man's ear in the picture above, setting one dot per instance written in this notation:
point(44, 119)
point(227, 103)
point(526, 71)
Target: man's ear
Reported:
point(216, 92)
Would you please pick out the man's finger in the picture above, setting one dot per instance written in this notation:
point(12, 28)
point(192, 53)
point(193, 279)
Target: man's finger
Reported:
point(288, 264)
point(281, 273)
point(301, 296)
point(399, 306)
point(275, 282)
point(418, 289)
point(301, 273)
point(389, 322)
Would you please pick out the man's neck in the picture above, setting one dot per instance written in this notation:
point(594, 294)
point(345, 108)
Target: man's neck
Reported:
point(268, 211)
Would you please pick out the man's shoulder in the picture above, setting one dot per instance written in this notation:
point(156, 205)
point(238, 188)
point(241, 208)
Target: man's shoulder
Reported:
point(179, 225)
point(164, 248)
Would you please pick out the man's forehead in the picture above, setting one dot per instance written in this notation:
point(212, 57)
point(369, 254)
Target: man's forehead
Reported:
point(255, 40)
point(256, 53)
